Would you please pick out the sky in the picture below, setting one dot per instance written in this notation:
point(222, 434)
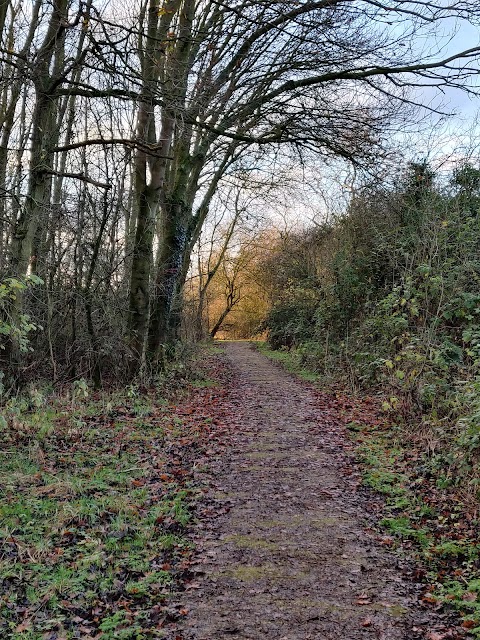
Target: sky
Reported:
point(467, 37)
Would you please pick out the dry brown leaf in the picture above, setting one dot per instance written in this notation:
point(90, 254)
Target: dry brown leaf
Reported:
point(436, 635)
point(469, 596)
point(363, 601)
point(468, 624)
point(24, 626)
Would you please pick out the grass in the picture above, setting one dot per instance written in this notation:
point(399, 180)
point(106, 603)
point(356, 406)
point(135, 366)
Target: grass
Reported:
point(93, 518)
point(289, 360)
point(434, 531)
point(203, 384)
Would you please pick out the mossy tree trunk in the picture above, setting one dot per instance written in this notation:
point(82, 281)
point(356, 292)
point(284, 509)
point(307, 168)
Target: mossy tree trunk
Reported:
point(149, 171)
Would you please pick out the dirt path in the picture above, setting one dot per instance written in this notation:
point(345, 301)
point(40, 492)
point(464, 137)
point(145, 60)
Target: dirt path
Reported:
point(290, 558)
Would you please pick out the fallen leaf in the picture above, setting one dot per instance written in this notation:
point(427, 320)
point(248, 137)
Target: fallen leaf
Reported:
point(468, 624)
point(435, 635)
point(469, 596)
point(24, 626)
point(430, 599)
point(363, 601)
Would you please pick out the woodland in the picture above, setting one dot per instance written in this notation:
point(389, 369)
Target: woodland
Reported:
point(174, 172)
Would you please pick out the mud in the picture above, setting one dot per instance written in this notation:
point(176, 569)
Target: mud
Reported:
point(289, 557)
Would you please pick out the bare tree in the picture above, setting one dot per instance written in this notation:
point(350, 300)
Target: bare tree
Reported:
point(177, 94)
point(327, 77)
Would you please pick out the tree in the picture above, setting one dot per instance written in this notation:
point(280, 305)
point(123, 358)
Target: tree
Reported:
point(235, 298)
point(316, 77)
point(180, 93)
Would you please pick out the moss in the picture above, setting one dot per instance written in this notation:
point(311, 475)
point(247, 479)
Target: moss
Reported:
point(267, 571)
point(260, 455)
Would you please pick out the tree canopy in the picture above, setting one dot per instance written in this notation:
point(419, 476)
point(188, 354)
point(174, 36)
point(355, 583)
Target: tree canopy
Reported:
point(120, 123)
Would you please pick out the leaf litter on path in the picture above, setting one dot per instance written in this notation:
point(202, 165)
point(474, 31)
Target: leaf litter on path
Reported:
point(283, 546)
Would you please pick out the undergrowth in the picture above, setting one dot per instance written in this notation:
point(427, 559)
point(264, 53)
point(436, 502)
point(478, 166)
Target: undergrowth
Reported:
point(96, 498)
point(435, 525)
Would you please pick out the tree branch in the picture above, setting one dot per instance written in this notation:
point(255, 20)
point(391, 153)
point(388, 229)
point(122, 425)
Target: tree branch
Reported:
point(80, 176)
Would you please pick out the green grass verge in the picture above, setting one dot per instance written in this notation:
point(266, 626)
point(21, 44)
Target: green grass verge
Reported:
point(417, 516)
point(92, 518)
point(288, 359)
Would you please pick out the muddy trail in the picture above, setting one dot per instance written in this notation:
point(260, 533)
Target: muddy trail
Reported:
point(284, 550)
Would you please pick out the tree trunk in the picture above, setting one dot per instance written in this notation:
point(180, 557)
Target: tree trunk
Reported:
point(148, 192)
point(139, 296)
point(43, 136)
point(168, 269)
point(231, 302)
